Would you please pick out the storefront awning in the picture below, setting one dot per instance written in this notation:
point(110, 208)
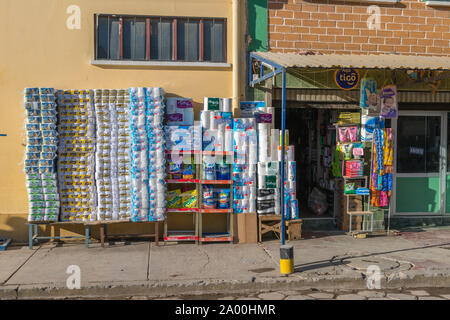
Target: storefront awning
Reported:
point(371, 61)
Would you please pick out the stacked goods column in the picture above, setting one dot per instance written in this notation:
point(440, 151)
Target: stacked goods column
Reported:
point(245, 145)
point(147, 154)
point(156, 153)
point(76, 155)
point(40, 168)
point(112, 154)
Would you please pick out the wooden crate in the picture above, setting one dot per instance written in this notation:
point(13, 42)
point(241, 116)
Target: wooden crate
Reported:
point(272, 223)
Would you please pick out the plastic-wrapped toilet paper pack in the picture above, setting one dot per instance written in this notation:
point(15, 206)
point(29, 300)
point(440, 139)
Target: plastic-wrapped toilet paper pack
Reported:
point(76, 155)
point(40, 166)
point(180, 112)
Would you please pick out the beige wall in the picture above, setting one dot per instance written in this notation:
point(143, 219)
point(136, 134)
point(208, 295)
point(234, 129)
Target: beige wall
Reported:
point(37, 50)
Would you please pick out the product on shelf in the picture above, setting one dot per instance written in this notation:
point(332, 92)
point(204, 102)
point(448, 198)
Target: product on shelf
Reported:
point(76, 155)
point(40, 167)
point(180, 112)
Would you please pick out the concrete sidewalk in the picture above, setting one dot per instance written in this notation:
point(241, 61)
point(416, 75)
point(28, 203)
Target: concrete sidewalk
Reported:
point(322, 260)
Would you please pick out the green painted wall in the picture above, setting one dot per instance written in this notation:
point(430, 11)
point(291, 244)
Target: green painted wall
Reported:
point(447, 194)
point(418, 195)
point(258, 25)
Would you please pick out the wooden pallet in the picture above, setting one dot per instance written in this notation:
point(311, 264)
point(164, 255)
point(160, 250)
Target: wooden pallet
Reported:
point(272, 223)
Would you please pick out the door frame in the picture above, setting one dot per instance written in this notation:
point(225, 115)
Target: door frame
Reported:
point(442, 165)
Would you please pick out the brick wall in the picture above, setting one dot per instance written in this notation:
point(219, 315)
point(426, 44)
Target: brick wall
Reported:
point(409, 27)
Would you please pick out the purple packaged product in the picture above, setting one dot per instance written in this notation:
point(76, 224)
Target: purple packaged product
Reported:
point(264, 118)
point(184, 104)
point(175, 117)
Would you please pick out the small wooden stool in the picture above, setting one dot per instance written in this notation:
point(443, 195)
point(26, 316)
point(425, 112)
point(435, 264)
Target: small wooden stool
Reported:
point(272, 223)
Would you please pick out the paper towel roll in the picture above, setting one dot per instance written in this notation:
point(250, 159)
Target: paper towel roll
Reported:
point(226, 104)
point(205, 118)
point(228, 144)
point(274, 144)
point(213, 122)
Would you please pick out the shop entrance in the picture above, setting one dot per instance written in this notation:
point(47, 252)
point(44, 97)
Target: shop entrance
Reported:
point(422, 182)
point(313, 135)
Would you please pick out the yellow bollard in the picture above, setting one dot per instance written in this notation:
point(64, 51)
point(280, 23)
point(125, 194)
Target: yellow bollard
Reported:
point(286, 259)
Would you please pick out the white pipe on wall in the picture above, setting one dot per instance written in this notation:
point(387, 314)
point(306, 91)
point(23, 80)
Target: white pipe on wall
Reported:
point(236, 45)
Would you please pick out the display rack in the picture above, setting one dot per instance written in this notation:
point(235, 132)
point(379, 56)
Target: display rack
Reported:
point(365, 197)
point(197, 234)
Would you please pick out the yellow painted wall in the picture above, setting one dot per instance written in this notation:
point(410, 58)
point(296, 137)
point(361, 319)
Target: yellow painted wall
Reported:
point(38, 50)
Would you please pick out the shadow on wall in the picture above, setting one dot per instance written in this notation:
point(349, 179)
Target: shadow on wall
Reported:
point(15, 229)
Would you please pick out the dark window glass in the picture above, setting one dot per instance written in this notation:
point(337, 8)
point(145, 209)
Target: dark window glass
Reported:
point(134, 38)
point(188, 40)
point(418, 146)
point(114, 38)
point(102, 38)
point(161, 39)
point(214, 41)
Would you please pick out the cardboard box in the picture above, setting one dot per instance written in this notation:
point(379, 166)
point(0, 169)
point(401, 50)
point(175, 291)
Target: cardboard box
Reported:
point(246, 228)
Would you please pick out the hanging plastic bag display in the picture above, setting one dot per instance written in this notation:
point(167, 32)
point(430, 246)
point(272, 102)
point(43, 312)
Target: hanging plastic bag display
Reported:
point(369, 97)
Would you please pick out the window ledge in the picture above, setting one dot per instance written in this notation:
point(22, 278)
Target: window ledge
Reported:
point(438, 3)
point(106, 63)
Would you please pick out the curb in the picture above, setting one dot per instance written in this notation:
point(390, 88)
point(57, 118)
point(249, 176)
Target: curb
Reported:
point(168, 289)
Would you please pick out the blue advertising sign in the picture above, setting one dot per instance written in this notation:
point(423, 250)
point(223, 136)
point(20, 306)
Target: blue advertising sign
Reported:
point(346, 79)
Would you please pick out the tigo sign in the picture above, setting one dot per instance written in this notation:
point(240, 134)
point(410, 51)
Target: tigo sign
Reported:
point(346, 79)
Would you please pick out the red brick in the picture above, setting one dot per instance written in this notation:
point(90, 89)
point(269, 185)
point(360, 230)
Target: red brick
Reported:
point(344, 8)
point(285, 44)
point(276, 36)
point(345, 24)
point(410, 27)
point(414, 34)
point(393, 41)
point(416, 5)
point(446, 36)
point(411, 12)
point(417, 20)
point(401, 19)
point(326, 38)
point(426, 27)
point(360, 25)
point(301, 29)
point(272, 13)
point(370, 33)
point(435, 21)
point(335, 16)
point(310, 23)
point(335, 31)
point(336, 46)
point(425, 42)
point(434, 35)
point(352, 17)
point(271, 28)
point(292, 22)
point(385, 48)
point(393, 11)
point(303, 45)
point(440, 43)
point(360, 39)
point(369, 47)
point(328, 24)
point(441, 28)
point(351, 32)
point(408, 41)
point(343, 39)
point(319, 45)
point(385, 18)
point(326, 8)
point(285, 14)
point(357, 9)
point(352, 46)
point(318, 30)
point(310, 7)
point(302, 15)
point(418, 49)
point(309, 37)
point(426, 13)
point(446, 22)
point(290, 50)
point(402, 49)
point(401, 34)
point(394, 26)
point(293, 7)
point(441, 13)
point(275, 20)
point(284, 29)
point(434, 50)
point(376, 40)
point(319, 16)
point(292, 36)
point(386, 34)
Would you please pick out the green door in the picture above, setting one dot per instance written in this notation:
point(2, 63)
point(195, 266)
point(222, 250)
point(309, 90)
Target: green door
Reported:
point(421, 164)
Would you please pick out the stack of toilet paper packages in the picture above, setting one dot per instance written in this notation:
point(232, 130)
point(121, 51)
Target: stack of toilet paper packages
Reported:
point(148, 186)
point(183, 138)
point(249, 109)
point(245, 147)
point(180, 112)
point(112, 157)
point(76, 155)
point(217, 130)
point(156, 151)
point(42, 142)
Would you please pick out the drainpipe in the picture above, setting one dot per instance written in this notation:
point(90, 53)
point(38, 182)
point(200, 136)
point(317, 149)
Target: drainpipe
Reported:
point(236, 45)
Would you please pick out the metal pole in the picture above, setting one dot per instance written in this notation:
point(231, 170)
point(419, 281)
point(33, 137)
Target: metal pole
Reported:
point(283, 143)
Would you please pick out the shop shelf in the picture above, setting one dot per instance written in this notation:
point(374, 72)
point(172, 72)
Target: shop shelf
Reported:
point(357, 213)
point(181, 238)
point(217, 153)
point(183, 151)
point(216, 210)
point(216, 237)
point(216, 181)
point(358, 177)
point(182, 180)
point(185, 210)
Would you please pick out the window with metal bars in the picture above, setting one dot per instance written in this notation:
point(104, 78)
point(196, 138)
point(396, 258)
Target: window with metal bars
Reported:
point(141, 38)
